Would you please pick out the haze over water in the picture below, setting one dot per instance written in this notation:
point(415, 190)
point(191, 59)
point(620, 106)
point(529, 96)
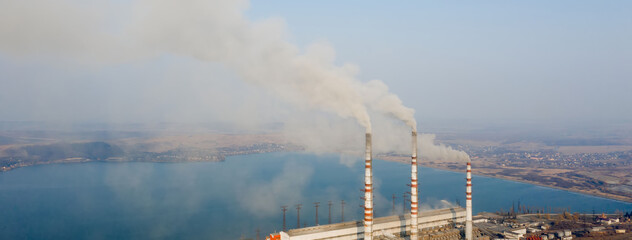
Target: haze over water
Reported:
point(227, 200)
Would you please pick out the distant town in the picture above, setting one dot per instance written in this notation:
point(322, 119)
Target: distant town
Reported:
point(607, 174)
point(550, 158)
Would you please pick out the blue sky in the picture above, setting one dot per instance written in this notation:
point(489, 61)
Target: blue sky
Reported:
point(484, 60)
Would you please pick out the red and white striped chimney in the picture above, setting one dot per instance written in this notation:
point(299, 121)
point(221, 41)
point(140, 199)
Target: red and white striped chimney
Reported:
point(414, 210)
point(368, 191)
point(468, 203)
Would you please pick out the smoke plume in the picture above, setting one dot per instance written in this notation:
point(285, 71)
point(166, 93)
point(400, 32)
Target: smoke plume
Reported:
point(439, 152)
point(105, 33)
point(378, 97)
point(214, 31)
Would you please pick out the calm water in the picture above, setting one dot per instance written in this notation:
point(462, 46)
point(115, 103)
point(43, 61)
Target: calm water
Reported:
point(232, 199)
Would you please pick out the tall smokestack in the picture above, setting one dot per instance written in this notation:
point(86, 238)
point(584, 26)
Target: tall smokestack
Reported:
point(468, 203)
point(368, 191)
point(413, 190)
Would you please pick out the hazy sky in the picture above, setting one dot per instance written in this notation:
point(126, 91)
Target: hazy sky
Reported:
point(481, 59)
point(485, 60)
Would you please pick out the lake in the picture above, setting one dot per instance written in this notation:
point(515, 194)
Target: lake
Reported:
point(231, 199)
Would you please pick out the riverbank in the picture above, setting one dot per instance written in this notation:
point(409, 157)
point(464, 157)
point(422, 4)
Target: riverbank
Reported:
point(481, 172)
point(476, 171)
point(187, 200)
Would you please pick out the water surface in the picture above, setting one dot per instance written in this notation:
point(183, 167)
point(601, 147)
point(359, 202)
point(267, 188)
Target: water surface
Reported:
point(231, 199)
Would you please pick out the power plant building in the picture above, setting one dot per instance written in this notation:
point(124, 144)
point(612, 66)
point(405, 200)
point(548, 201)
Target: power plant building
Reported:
point(429, 222)
point(426, 225)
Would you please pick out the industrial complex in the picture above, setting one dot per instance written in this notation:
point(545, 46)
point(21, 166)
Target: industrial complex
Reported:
point(435, 224)
point(457, 222)
point(449, 223)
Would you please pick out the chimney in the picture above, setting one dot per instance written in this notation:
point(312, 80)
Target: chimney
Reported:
point(413, 190)
point(468, 203)
point(368, 191)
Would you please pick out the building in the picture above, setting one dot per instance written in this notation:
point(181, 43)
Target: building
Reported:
point(428, 223)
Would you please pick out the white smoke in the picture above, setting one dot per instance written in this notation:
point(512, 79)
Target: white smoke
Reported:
point(111, 32)
point(214, 31)
point(284, 187)
point(439, 152)
point(377, 97)
point(432, 204)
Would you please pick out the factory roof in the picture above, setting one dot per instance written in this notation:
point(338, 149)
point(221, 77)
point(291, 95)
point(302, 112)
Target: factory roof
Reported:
point(336, 226)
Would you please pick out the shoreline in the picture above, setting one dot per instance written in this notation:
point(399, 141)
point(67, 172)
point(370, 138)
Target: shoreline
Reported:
point(87, 160)
point(585, 192)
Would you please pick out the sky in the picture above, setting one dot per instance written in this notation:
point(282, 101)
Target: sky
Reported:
point(483, 59)
point(486, 61)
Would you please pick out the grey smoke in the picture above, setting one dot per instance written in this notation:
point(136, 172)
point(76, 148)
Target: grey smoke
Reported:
point(432, 204)
point(264, 197)
point(378, 97)
point(132, 185)
point(213, 31)
point(103, 33)
point(439, 152)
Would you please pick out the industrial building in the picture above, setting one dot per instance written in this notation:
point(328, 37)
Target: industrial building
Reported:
point(430, 223)
point(434, 224)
